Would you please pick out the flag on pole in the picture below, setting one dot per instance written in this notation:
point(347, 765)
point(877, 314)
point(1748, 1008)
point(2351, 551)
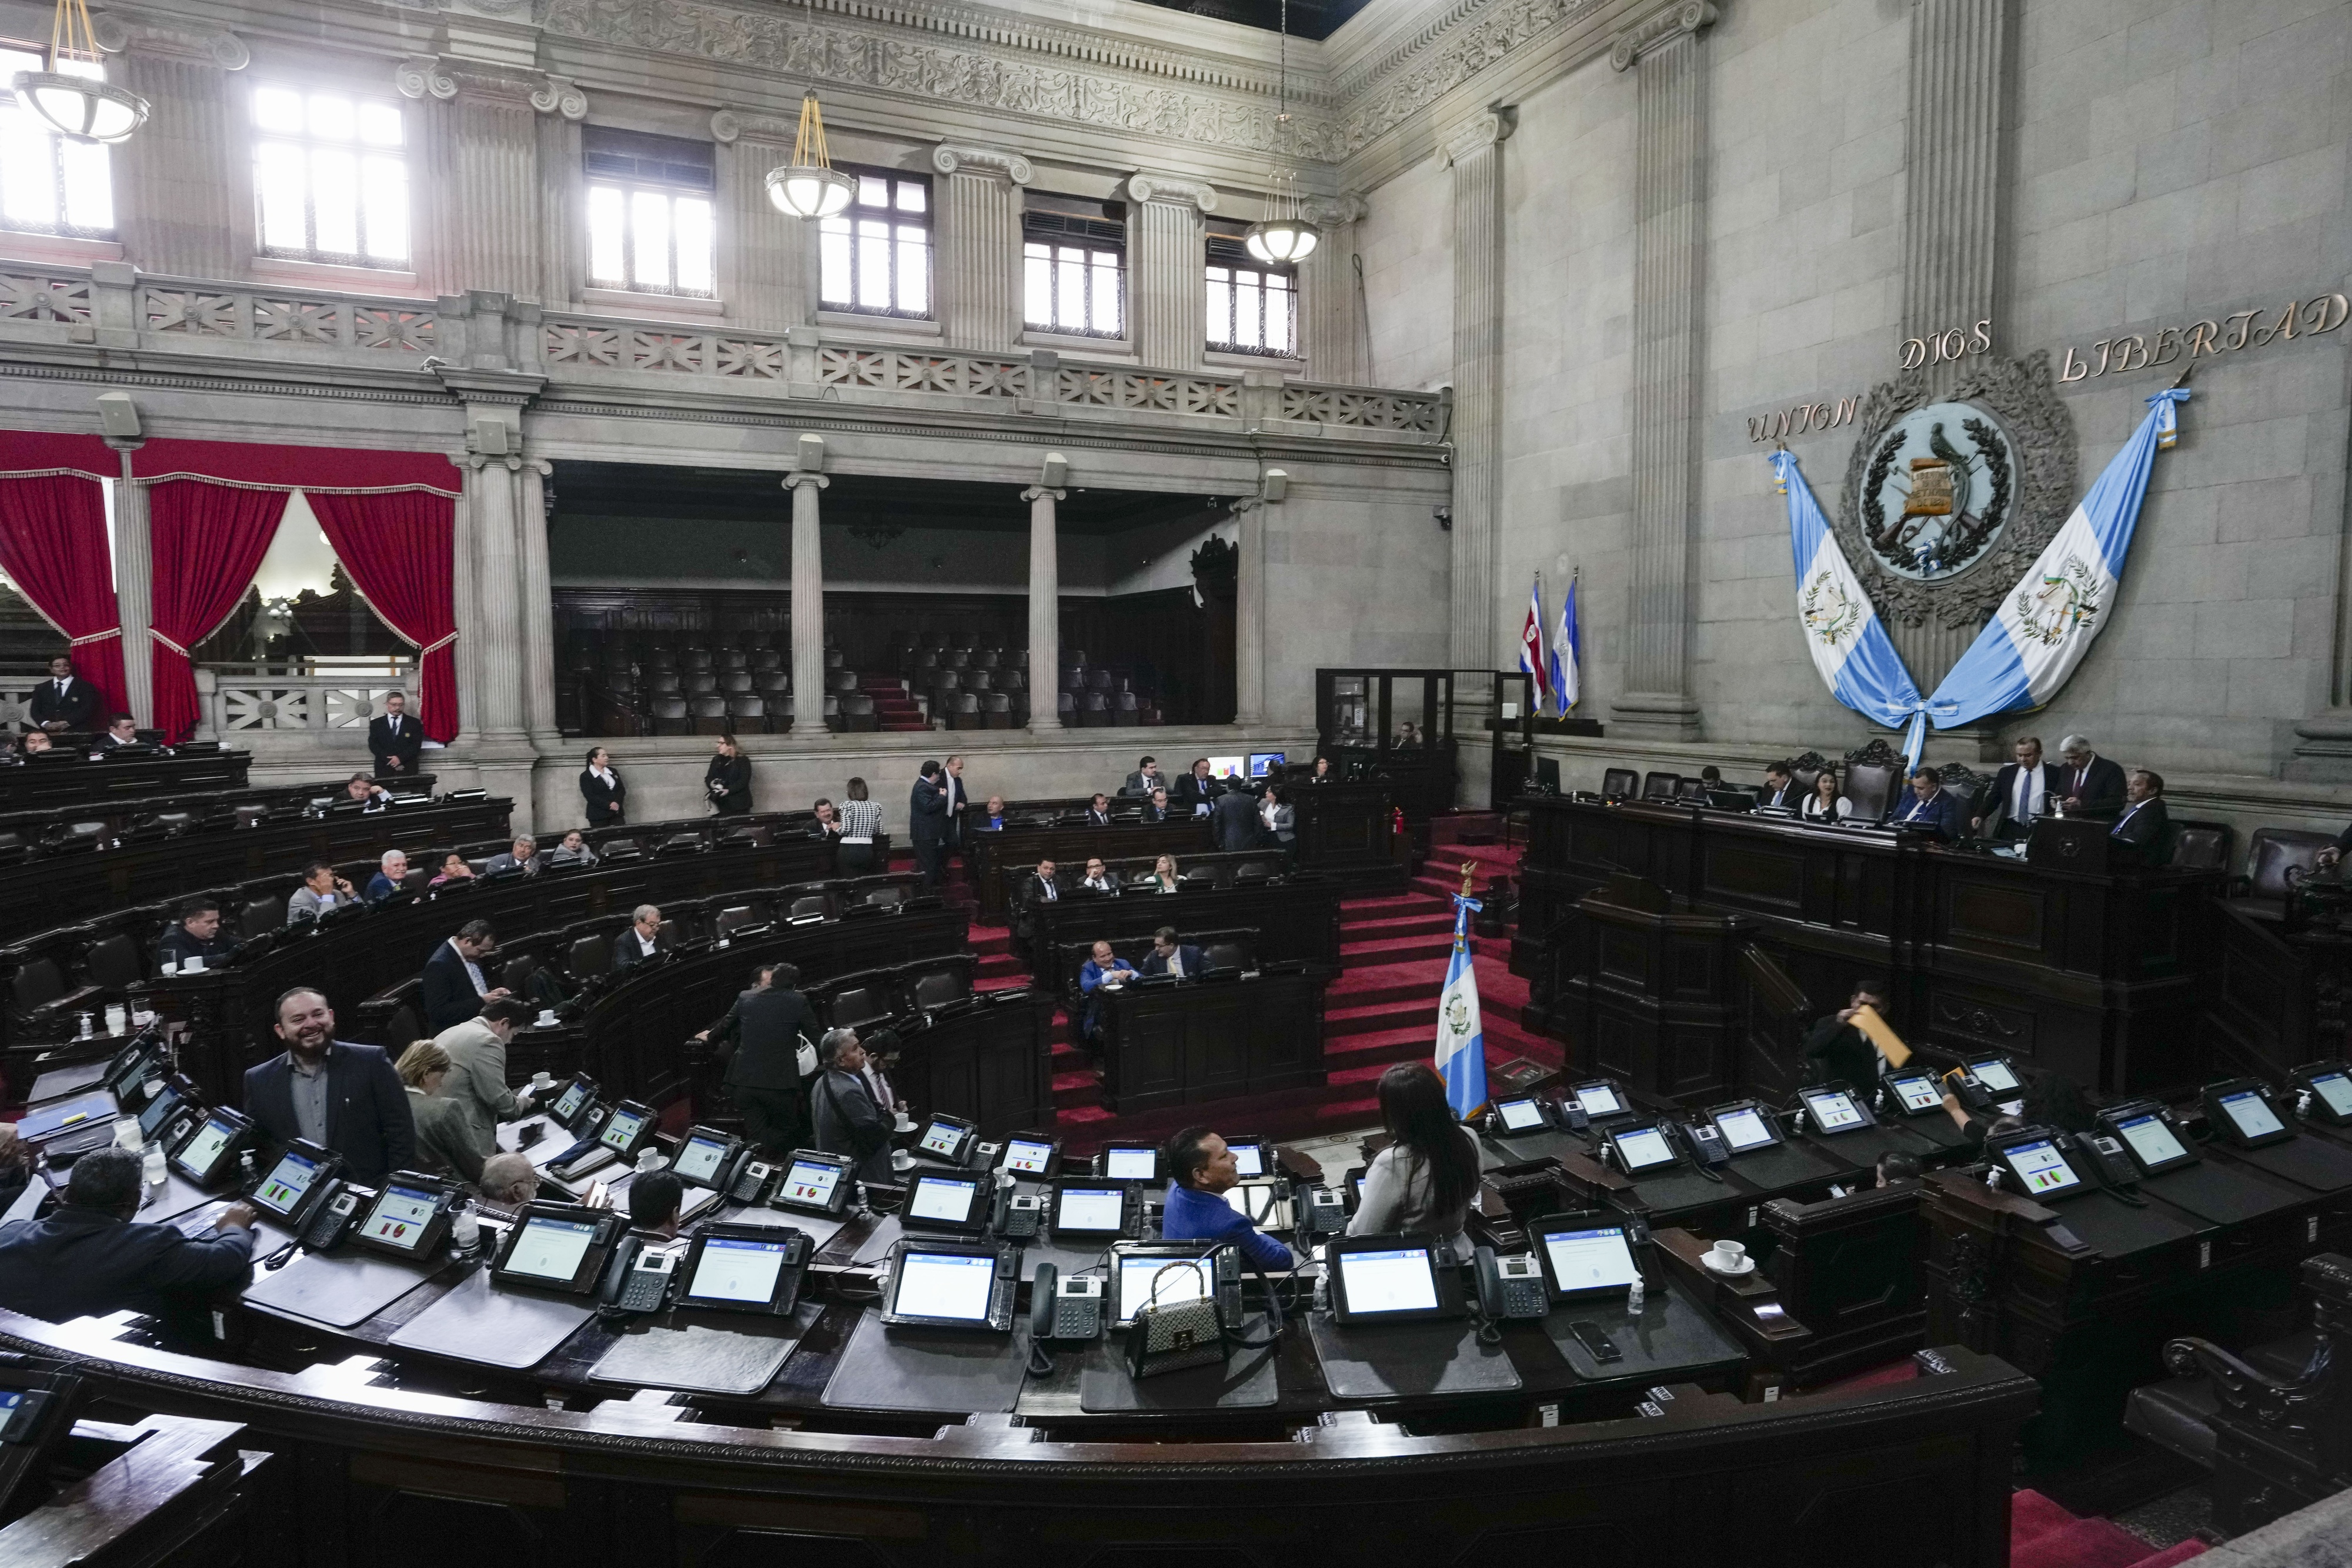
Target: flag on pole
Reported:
point(1531, 646)
point(1567, 652)
point(1461, 1037)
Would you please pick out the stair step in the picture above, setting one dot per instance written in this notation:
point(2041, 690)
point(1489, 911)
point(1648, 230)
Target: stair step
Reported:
point(1392, 949)
point(1418, 923)
point(1396, 1014)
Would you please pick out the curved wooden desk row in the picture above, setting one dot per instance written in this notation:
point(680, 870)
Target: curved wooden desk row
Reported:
point(1915, 1473)
point(66, 777)
point(177, 813)
point(1297, 917)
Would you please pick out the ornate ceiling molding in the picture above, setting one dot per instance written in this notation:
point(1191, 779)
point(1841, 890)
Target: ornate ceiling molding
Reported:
point(1173, 189)
point(1658, 29)
point(950, 159)
point(1442, 58)
point(433, 76)
point(118, 32)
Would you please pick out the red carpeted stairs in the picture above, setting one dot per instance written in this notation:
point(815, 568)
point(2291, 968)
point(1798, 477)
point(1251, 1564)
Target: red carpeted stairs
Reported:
point(892, 704)
point(2043, 1535)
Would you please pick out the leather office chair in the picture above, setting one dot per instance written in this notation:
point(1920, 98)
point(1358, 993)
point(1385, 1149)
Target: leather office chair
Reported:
point(1126, 710)
point(733, 659)
point(817, 904)
point(1253, 870)
point(996, 712)
point(1224, 956)
point(939, 989)
point(1659, 786)
point(1870, 787)
point(765, 659)
point(839, 681)
point(734, 918)
point(2273, 853)
point(40, 988)
point(709, 715)
point(670, 717)
point(589, 958)
point(978, 679)
point(701, 682)
point(660, 683)
point(771, 682)
point(260, 915)
point(2200, 846)
point(1066, 707)
point(112, 962)
point(1094, 709)
point(857, 712)
point(884, 897)
point(958, 659)
point(1619, 782)
point(621, 848)
point(857, 1006)
point(747, 715)
point(987, 659)
point(1690, 789)
point(695, 659)
point(735, 683)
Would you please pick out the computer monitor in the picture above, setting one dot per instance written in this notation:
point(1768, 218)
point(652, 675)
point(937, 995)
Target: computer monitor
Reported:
point(948, 1138)
point(561, 1248)
point(1134, 1274)
point(1917, 1093)
point(1745, 1127)
point(1252, 1158)
point(1521, 1115)
point(292, 1184)
point(1227, 767)
point(2154, 1145)
point(744, 1268)
point(815, 1184)
point(2247, 1112)
point(950, 1203)
point(1032, 1155)
point(170, 1096)
point(409, 1217)
point(1600, 1099)
point(1834, 1111)
point(703, 1157)
point(938, 1284)
point(1997, 1074)
point(1644, 1149)
point(1385, 1278)
point(628, 1127)
point(2331, 1090)
point(1262, 763)
point(1097, 1210)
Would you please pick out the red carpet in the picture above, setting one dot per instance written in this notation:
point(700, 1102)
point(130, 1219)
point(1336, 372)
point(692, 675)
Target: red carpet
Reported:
point(2043, 1535)
point(893, 706)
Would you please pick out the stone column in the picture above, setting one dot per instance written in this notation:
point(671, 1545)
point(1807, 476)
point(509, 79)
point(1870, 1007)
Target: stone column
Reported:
point(1045, 609)
point(478, 167)
point(134, 589)
point(1669, 254)
point(1474, 151)
point(494, 499)
point(1251, 516)
point(760, 248)
point(183, 191)
point(538, 594)
point(1335, 347)
point(979, 278)
point(808, 601)
point(1167, 294)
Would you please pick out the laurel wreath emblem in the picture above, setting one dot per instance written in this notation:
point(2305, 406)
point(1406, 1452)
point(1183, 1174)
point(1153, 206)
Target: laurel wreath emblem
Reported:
point(1829, 613)
point(2061, 603)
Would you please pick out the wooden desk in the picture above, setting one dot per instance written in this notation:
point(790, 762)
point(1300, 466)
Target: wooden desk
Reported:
point(1295, 918)
point(1346, 828)
point(1000, 859)
point(70, 778)
point(1197, 1041)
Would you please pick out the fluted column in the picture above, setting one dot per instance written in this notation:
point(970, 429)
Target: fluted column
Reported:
point(134, 589)
point(493, 497)
point(538, 592)
point(979, 226)
point(760, 249)
point(1336, 349)
point(1044, 608)
point(1167, 251)
point(1670, 215)
point(492, 218)
point(182, 186)
point(1474, 150)
point(1250, 516)
point(808, 603)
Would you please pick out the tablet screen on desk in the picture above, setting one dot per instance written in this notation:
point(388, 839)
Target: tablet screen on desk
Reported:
point(1397, 1280)
point(1643, 1148)
point(568, 1106)
point(1131, 1164)
point(1249, 1159)
point(1917, 1092)
point(551, 1248)
point(946, 1285)
point(945, 1199)
point(2040, 1168)
point(1599, 1100)
point(1520, 1115)
point(1027, 1156)
point(281, 1190)
point(399, 1218)
point(698, 1161)
point(1253, 1201)
point(157, 1110)
point(735, 1270)
point(203, 1150)
point(943, 1140)
point(1102, 1209)
point(2253, 1116)
point(2334, 1091)
point(622, 1130)
point(1743, 1129)
point(1833, 1110)
point(1187, 1281)
point(810, 1183)
point(1996, 1075)
point(1589, 1260)
point(2151, 1140)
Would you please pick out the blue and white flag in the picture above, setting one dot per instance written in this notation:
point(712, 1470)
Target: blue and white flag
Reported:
point(1850, 646)
point(2034, 642)
point(1567, 654)
point(1461, 1037)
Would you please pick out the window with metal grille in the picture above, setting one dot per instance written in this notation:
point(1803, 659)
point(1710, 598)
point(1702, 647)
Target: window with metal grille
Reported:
point(49, 184)
point(650, 213)
point(875, 257)
point(1073, 274)
point(329, 177)
point(1252, 307)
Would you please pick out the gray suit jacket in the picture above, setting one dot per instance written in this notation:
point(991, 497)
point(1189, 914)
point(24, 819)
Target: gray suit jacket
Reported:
point(477, 1081)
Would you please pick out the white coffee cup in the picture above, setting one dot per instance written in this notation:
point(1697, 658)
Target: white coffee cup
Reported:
point(544, 1080)
point(546, 1020)
point(191, 965)
point(902, 1125)
point(1728, 1256)
point(900, 1160)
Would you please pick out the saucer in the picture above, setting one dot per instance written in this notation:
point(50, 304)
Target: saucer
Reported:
point(1747, 1266)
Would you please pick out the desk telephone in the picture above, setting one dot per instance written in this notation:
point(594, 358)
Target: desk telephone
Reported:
point(1707, 1148)
point(1065, 1309)
point(2112, 1164)
point(643, 1285)
point(1020, 1219)
point(332, 1220)
point(1510, 1288)
point(1325, 1213)
point(752, 1182)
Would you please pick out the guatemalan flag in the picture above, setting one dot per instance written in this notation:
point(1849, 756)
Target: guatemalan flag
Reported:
point(1842, 632)
point(1531, 645)
point(1461, 1037)
point(2034, 642)
point(1567, 654)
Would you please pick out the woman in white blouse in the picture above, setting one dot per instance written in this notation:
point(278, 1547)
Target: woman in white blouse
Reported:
point(1426, 1179)
point(1825, 804)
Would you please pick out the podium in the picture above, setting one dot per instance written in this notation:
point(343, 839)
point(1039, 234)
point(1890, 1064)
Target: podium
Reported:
point(1652, 999)
point(2069, 843)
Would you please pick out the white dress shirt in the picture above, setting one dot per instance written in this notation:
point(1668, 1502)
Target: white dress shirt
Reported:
point(2026, 803)
point(473, 970)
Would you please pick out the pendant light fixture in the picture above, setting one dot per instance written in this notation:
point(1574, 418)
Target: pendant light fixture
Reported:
point(68, 98)
point(810, 186)
point(1284, 235)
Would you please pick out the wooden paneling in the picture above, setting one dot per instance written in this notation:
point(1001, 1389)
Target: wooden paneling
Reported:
point(1183, 1044)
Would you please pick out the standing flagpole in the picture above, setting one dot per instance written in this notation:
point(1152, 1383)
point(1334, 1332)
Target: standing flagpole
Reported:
point(1461, 1036)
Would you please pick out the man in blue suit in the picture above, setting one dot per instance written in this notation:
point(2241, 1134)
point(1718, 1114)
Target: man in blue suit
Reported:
point(1930, 805)
point(1103, 966)
point(93, 1256)
point(338, 1095)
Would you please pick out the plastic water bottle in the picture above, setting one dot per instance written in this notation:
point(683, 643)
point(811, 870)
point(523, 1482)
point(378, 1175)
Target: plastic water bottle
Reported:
point(465, 1230)
point(1635, 1295)
point(152, 1167)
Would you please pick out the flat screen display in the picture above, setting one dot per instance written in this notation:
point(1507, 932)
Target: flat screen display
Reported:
point(1225, 766)
point(622, 1130)
point(1253, 1201)
point(1187, 1281)
point(207, 1146)
point(400, 1217)
point(1834, 1110)
point(1644, 1148)
point(98, 1105)
point(1027, 1156)
point(1743, 1128)
point(2151, 1140)
point(1097, 1208)
point(948, 1201)
point(1599, 1100)
point(1996, 1076)
point(2041, 1167)
point(1131, 1164)
point(2252, 1115)
point(811, 1183)
point(1396, 1281)
point(1265, 762)
point(1520, 1115)
point(698, 1161)
point(573, 1098)
point(1249, 1159)
point(1917, 1093)
point(283, 1188)
point(2334, 1091)
point(551, 1248)
point(942, 1138)
point(1590, 1259)
point(944, 1285)
point(738, 1269)
point(158, 1110)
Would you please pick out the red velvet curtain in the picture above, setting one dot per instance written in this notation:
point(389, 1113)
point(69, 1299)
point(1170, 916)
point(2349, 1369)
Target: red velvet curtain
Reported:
point(53, 547)
point(400, 548)
point(208, 542)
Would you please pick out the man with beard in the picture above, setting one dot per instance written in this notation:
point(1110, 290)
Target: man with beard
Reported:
point(342, 1096)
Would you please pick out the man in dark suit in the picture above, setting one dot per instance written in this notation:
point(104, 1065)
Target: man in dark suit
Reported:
point(1099, 810)
point(1928, 806)
point(390, 873)
point(2144, 825)
point(342, 1096)
point(1232, 821)
point(638, 943)
point(848, 1119)
point(2020, 791)
point(195, 934)
point(1838, 1052)
point(1146, 778)
point(926, 821)
point(959, 804)
point(2094, 786)
point(122, 730)
point(65, 701)
point(1196, 791)
point(1157, 809)
point(1100, 878)
point(1780, 786)
point(452, 989)
point(1171, 956)
point(767, 1041)
point(93, 1256)
point(1034, 890)
point(521, 856)
point(394, 739)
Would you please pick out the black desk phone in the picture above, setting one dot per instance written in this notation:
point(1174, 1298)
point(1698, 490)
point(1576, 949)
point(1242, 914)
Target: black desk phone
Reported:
point(1706, 1146)
point(2108, 1161)
point(1511, 1288)
point(1019, 1218)
point(644, 1285)
point(331, 1221)
point(1324, 1213)
point(1065, 1309)
point(752, 1182)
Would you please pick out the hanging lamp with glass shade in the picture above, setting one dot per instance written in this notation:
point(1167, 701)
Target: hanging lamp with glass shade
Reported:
point(70, 97)
point(810, 186)
point(1283, 236)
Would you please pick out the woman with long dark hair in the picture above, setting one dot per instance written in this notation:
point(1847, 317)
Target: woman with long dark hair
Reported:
point(1427, 1178)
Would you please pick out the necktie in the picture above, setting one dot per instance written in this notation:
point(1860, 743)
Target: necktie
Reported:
point(2024, 812)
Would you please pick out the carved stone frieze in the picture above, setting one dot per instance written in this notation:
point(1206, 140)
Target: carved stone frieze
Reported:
point(1437, 64)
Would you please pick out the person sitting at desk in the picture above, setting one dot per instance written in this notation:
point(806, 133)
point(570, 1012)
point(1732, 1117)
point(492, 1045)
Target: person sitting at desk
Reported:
point(37, 742)
point(2094, 786)
point(1100, 878)
point(1167, 956)
point(341, 1096)
point(640, 941)
point(1201, 1169)
point(195, 934)
point(765, 1041)
point(2020, 791)
point(94, 1256)
point(476, 1051)
point(1840, 1053)
point(509, 1181)
point(1155, 809)
point(444, 1142)
point(63, 701)
point(1196, 791)
point(392, 875)
point(1322, 774)
point(992, 820)
point(1825, 804)
point(1232, 821)
point(1427, 1178)
point(1408, 736)
point(1103, 967)
point(455, 867)
point(1780, 786)
point(451, 989)
point(848, 1121)
point(322, 890)
point(1145, 779)
point(122, 730)
point(523, 855)
point(827, 823)
point(572, 850)
point(371, 795)
point(654, 1198)
point(1930, 807)
point(1099, 810)
point(2140, 830)
point(1894, 1167)
point(1163, 876)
